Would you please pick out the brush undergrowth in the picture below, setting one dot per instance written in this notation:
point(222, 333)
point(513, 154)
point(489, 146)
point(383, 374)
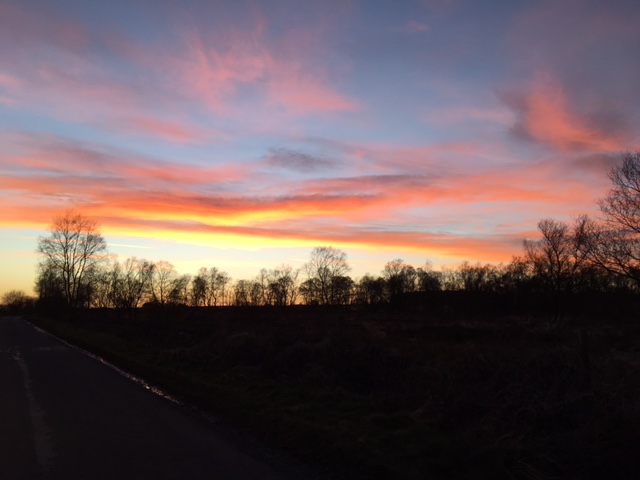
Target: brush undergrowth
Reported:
point(372, 393)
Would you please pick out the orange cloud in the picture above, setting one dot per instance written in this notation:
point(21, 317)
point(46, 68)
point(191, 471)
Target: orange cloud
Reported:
point(224, 205)
point(223, 195)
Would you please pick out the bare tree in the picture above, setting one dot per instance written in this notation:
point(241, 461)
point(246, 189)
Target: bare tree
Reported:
point(73, 248)
point(134, 282)
point(217, 281)
point(241, 293)
point(311, 292)
point(325, 264)
point(49, 287)
point(616, 241)
point(428, 280)
point(516, 276)
point(106, 284)
point(399, 278)
point(162, 281)
point(478, 277)
point(282, 286)
point(179, 294)
point(621, 206)
point(370, 290)
point(558, 257)
point(199, 287)
point(342, 290)
point(256, 293)
point(17, 300)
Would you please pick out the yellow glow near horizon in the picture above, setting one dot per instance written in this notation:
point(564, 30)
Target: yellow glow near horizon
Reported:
point(443, 252)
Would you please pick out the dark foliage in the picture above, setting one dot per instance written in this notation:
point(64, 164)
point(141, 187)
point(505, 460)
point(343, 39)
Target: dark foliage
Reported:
point(445, 385)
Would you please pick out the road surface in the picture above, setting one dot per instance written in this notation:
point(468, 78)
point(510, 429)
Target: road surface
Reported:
point(66, 416)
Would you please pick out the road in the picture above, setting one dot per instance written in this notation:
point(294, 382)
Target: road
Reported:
point(64, 415)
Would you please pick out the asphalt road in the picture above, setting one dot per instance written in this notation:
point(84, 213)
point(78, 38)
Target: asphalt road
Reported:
point(66, 416)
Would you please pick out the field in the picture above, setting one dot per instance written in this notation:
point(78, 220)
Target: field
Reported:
point(397, 393)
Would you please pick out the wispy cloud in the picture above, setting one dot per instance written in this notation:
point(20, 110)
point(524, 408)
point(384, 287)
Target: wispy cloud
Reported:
point(289, 159)
point(544, 115)
point(218, 69)
point(413, 26)
point(177, 131)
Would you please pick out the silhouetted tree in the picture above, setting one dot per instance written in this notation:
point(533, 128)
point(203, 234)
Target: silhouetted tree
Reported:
point(282, 286)
point(342, 287)
point(50, 289)
point(216, 287)
point(428, 280)
point(370, 290)
point(257, 292)
point(558, 261)
point(311, 292)
point(124, 285)
point(617, 251)
point(241, 293)
point(516, 278)
point(399, 278)
point(478, 277)
point(621, 205)
point(162, 281)
point(199, 286)
point(179, 294)
point(557, 257)
point(17, 301)
point(325, 264)
point(73, 248)
point(135, 282)
point(616, 242)
point(106, 283)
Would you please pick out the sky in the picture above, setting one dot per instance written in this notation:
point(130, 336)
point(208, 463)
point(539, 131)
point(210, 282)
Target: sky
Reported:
point(243, 134)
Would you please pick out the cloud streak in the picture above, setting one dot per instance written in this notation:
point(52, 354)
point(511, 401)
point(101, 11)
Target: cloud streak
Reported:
point(132, 194)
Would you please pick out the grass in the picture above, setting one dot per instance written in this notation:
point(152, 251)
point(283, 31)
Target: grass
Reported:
point(373, 393)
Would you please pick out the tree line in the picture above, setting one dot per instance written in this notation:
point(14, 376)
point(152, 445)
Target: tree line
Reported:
point(584, 256)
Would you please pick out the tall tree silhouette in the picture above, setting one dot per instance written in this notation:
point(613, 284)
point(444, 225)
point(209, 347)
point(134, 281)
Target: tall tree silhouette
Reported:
point(73, 248)
point(324, 266)
point(616, 242)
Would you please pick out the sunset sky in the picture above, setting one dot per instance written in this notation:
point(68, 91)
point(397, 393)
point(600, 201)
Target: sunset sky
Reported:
point(242, 134)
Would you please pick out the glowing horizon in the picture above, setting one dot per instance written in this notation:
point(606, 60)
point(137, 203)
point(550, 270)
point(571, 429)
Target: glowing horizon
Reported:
point(227, 134)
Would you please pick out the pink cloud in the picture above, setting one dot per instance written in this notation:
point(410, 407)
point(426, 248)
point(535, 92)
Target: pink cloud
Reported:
point(57, 67)
point(301, 94)
point(545, 115)
point(581, 58)
point(53, 157)
point(169, 130)
point(66, 72)
point(9, 81)
point(219, 69)
point(102, 101)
